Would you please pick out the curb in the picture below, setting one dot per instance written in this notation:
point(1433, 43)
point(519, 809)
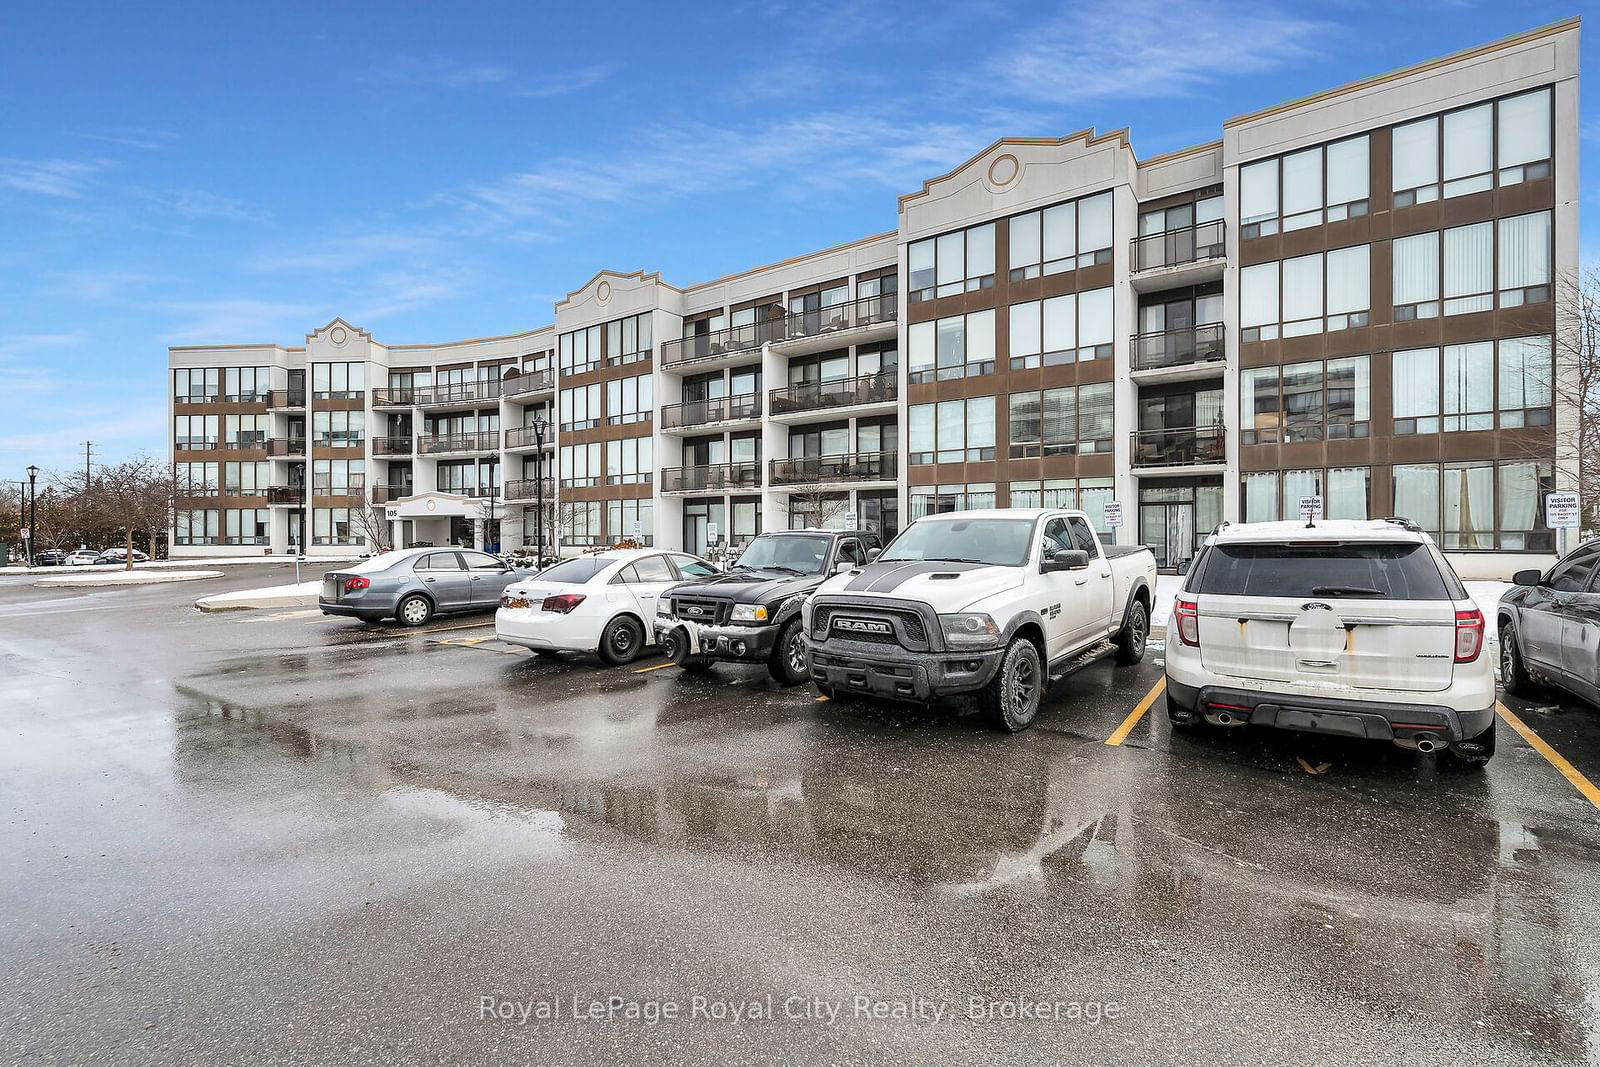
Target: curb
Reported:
point(123, 579)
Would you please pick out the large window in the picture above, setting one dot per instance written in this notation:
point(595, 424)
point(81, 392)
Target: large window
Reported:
point(246, 526)
point(628, 340)
point(958, 262)
point(579, 351)
point(581, 522)
point(194, 432)
point(1272, 495)
point(1508, 138)
point(197, 479)
point(1089, 495)
point(336, 381)
point(952, 431)
point(580, 464)
point(1061, 238)
point(1469, 272)
point(1324, 183)
point(250, 478)
point(196, 385)
point(579, 408)
point(1478, 505)
point(244, 431)
point(1306, 401)
point(338, 477)
point(1060, 422)
point(197, 527)
point(956, 347)
point(621, 516)
point(332, 526)
point(338, 429)
point(629, 399)
point(629, 462)
point(1454, 388)
point(938, 499)
point(1073, 328)
point(1306, 294)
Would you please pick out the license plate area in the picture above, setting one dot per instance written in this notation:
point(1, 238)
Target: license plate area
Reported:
point(1321, 722)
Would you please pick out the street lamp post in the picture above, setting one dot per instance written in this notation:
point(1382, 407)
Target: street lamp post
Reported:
point(539, 427)
point(33, 509)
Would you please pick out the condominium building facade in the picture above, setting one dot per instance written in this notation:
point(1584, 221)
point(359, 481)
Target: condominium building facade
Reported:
point(1348, 302)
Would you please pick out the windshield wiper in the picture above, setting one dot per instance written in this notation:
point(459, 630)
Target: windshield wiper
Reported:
point(956, 559)
point(1346, 590)
point(776, 567)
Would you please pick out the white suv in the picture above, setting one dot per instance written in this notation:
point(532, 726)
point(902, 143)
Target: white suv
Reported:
point(1341, 627)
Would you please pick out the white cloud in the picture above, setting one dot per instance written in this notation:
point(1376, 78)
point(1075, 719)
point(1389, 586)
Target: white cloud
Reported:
point(441, 73)
point(61, 178)
point(133, 137)
point(563, 82)
point(199, 204)
point(236, 320)
point(341, 253)
point(1147, 49)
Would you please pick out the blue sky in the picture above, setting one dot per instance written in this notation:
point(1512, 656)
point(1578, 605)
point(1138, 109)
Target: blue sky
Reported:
point(216, 173)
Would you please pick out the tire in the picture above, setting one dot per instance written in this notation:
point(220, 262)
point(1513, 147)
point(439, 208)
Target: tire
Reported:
point(1475, 760)
point(1514, 677)
point(1012, 697)
point(621, 641)
point(1131, 638)
point(413, 610)
point(789, 663)
point(678, 652)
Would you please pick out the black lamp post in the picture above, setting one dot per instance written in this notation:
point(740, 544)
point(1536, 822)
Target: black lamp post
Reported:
point(33, 509)
point(539, 427)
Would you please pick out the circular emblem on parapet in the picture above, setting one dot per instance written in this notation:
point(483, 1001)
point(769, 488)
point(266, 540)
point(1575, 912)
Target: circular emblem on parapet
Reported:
point(1004, 171)
point(338, 335)
point(602, 292)
point(433, 505)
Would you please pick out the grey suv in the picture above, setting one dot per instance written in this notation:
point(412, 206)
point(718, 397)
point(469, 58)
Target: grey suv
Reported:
point(1550, 627)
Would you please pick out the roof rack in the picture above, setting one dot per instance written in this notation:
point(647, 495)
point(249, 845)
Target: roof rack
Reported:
point(1223, 525)
point(1404, 524)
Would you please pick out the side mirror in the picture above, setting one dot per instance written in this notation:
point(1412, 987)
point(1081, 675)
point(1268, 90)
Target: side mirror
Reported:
point(873, 553)
point(1528, 577)
point(842, 566)
point(1067, 559)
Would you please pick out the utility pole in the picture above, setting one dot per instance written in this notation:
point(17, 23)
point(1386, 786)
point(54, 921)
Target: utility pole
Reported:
point(87, 452)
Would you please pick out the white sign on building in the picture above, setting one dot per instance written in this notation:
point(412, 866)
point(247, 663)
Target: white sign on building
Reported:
point(1113, 515)
point(1561, 511)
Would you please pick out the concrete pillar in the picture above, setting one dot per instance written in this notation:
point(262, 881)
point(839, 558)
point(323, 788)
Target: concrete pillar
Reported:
point(397, 533)
point(477, 534)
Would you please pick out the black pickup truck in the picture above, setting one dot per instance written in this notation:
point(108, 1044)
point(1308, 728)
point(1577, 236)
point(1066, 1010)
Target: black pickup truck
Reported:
point(751, 613)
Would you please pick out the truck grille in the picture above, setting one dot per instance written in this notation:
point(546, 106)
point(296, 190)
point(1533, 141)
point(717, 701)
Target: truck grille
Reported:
point(709, 610)
point(909, 622)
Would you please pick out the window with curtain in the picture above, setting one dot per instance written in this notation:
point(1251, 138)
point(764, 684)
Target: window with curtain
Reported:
point(1349, 178)
point(1302, 189)
point(1524, 137)
point(1023, 335)
point(1023, 246)
point(1468, 398)
point(952, 347)
point(1059, 234)
point(1298, 484)
point(1258, 199)
point(1416, 277)
point(1258, 302)
point(1349, 287)
point(1302, 402)
point(1416, 494)
point(1094, 325)
point(1094, 230)
point(1469, 517)
point(1260, 413)
point(1060, 238)
point(1414, 148)
point(1526, 381)
point(1094, 418)
point(922, 351)
point(1302, 295)
point(1469, 268)
point(920, 436)
point(1522, 487)
point(1043, 423)
point(979, 333)
point(1349, 397)
point(1469, 150)
point(1260, 490)
point(1525, 259)
point(1414, 378)
point(1347, 493)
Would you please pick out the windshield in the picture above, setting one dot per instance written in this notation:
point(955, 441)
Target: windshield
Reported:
point(802, 555)
point(1324, 569)
point(576, 571)
point(997, 542)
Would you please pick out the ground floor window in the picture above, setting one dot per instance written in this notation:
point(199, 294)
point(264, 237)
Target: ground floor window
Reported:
point(746, 520)
point(936, 500)
point(1478, 505)
point(879, 512)
point(621, 515)
point(702, 519)
point(247, 526)
point(1272, 495)
point(580, 522)
point(332, 526)
point(1175, 518)
point(1089, 495)
point(817, 510)
point(197, 527)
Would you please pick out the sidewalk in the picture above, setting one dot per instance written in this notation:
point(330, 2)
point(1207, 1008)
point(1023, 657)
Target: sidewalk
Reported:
point(96, 577)
point(310, 562)
point(275, 596)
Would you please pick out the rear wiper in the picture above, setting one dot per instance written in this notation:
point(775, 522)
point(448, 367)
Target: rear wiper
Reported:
point(1346, 590)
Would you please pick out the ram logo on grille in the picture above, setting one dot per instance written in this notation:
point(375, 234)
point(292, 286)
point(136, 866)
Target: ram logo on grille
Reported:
point(862, 626)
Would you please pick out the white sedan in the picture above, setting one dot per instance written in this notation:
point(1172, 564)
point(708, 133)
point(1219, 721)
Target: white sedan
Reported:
point(605, 602)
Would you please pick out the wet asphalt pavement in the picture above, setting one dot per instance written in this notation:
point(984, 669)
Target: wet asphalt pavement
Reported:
point(275, 837)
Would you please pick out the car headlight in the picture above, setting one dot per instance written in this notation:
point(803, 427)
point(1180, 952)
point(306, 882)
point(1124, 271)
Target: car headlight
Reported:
point(749, 613)
point(663, 606)
point(971, 630)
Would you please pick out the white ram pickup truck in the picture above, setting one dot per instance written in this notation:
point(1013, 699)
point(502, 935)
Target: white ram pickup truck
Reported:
point(996, 603)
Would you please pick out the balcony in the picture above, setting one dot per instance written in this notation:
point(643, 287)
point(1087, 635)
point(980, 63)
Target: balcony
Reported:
point(719, 346)
point(857, 467)
point(813, 331)
point(399, 397)
point(286, 398)
point(529, 383)
point(530, 489)
point(462, 394)
point(482, 441)
point(714, 477)
point(1179, 257)
point(697, 413)
point(286, 494)
point(355, 485)
point(1189, 446)
point(841, 393)
point(286, 446)
point(525, 437)
point(392, 446)
point(1186, 347)
point(388, 494)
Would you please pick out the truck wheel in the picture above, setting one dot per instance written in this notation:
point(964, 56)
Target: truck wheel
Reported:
point(1011, 699)
point(1513, 672)
point(1130, 639)
point(677, 649)
point(1482, 753)
point(788, 664)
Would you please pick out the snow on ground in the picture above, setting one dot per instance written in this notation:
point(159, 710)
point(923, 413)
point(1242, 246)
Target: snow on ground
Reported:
point(272, 596)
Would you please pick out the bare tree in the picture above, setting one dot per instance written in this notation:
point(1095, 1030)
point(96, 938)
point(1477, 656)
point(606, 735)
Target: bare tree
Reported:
point(1576, 388)
point(820, 504)
point(131, 496)
point(372, 522)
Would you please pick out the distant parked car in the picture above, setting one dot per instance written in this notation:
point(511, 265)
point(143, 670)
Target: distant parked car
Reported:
point(120, 555)
point(83, 557)
point(414, 584)
point(50, 557)
point(604, 602)
point(1550, 627)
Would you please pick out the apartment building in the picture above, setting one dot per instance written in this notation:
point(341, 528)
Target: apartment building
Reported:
point(1350, 298)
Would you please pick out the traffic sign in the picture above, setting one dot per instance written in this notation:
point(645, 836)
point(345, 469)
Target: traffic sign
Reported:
point(1561, 511)
point(1113, 516)
point(1311, 507)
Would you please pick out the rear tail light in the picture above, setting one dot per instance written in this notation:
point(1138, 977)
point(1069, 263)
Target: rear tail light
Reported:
point(1469, 635)
point(562, 603)
point(1187, 614)
point(355, 585)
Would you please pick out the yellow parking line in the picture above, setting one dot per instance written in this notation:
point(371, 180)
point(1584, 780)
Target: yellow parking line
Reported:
point(1555, 759)
point(657, 667)
point(1120, 734)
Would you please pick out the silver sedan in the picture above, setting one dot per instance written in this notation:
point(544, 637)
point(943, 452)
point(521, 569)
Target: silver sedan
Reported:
point(415, 584)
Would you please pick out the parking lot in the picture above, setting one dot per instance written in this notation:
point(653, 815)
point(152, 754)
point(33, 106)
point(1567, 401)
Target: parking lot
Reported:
point(283, 836)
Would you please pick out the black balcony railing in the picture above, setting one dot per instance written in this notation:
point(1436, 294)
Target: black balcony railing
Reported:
point(457, 393)
point(1178, 447)
point(482, 441)
point(286, 446)
point(286, 494)
point(286, 398)
point(525, 437)
point(388, 494)
point(850, 467)
point(395, 397)
point(392, 446)
point(529, 489)
point(842, 393)
point(1177, 348)
point(1190, 244)
point(709, 412)
point(534, 381)
point(779, 328)
point(715, 476)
